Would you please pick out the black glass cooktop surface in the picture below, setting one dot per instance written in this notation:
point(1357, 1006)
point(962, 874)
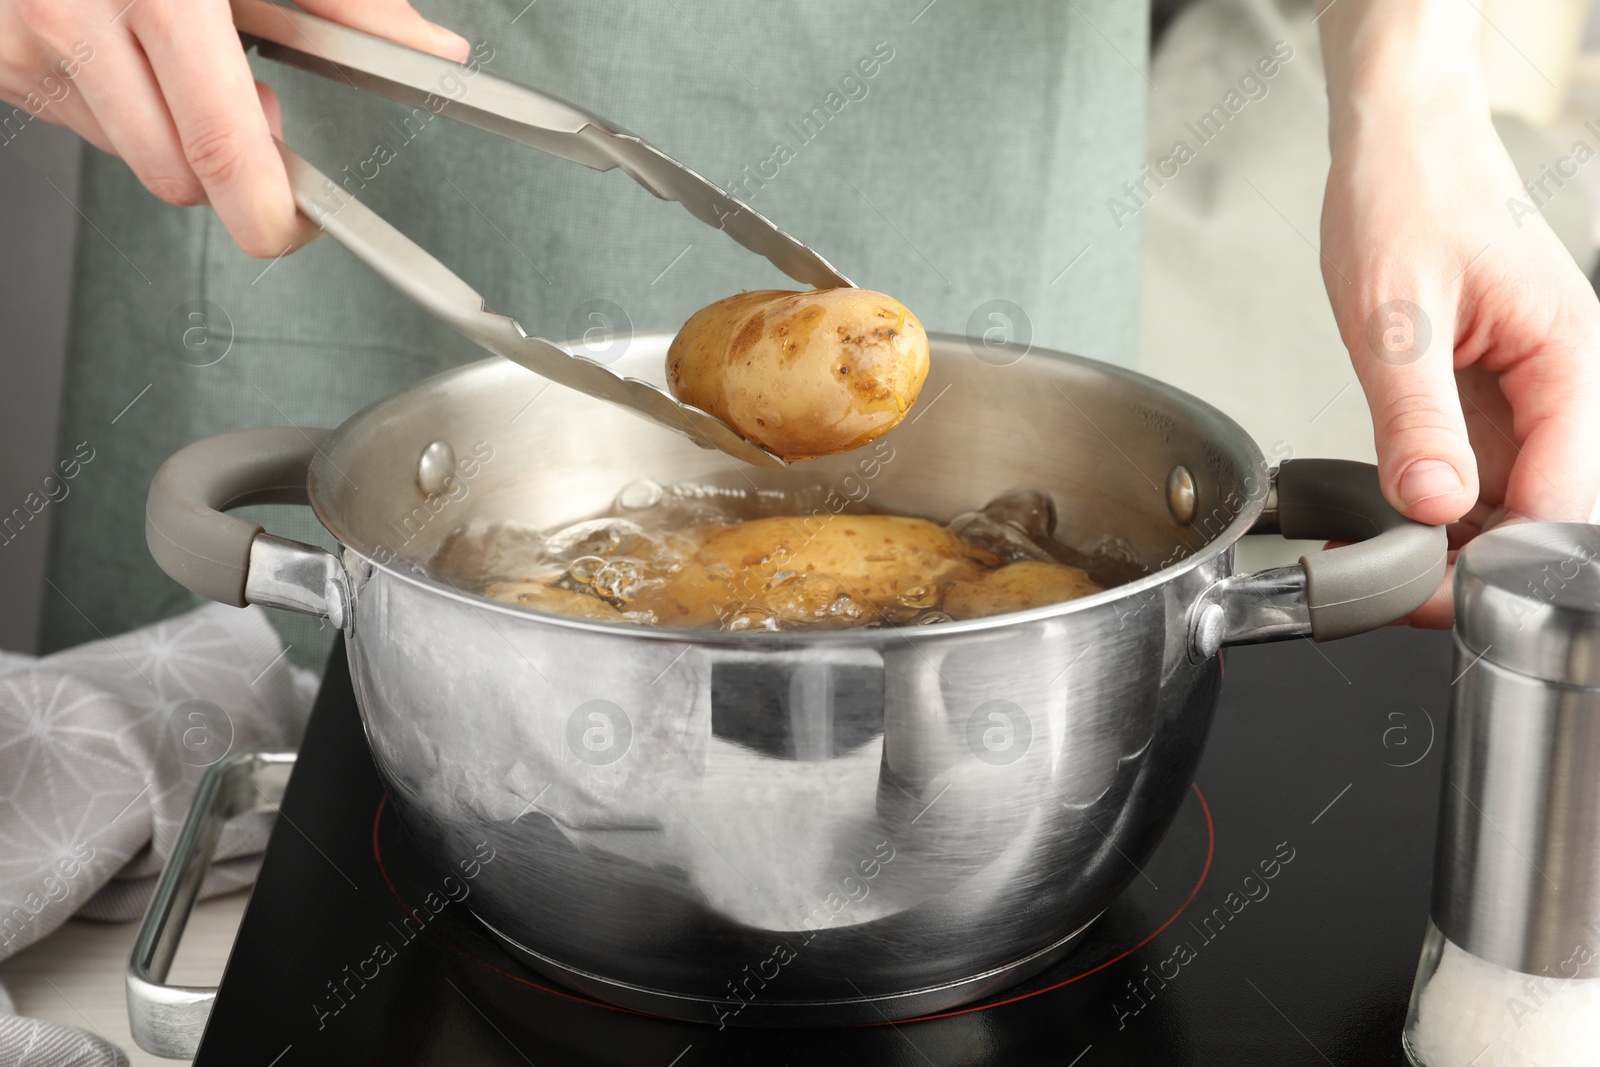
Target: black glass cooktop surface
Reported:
point(1278, 924)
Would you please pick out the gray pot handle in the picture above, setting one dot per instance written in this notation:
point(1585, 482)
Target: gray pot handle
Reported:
point(228, 559)
point(1392, 570)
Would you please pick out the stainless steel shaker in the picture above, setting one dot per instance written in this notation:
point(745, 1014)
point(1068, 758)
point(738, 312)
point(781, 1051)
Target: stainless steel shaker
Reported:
point(1515, 916)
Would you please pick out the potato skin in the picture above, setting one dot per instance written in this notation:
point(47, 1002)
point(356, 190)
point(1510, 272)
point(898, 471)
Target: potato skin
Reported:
point(802, 374)
point(876, 559)
point(841, 572)
point(1030, 583)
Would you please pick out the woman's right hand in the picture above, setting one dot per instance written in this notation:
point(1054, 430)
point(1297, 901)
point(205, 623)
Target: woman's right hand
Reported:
point(165, 85)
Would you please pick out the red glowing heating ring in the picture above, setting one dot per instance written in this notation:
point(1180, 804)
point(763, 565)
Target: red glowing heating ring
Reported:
point(1211, 848)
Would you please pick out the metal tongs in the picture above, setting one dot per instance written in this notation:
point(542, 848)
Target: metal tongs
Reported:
point(539, 121)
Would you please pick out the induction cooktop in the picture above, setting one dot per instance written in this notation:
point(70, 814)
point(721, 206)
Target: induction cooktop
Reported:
point(1279, 922)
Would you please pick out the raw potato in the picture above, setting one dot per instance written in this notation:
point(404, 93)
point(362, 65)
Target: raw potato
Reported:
point(802, 374)
point(1020, 586)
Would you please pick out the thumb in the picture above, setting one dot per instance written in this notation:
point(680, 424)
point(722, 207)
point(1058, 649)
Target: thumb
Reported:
point(1405, 365)
point(307, 230)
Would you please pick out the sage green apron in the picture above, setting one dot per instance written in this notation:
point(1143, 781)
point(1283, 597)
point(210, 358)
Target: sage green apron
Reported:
point(951, 154)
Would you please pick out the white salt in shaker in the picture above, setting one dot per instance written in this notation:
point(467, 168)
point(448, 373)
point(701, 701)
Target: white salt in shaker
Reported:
point(1510, 970)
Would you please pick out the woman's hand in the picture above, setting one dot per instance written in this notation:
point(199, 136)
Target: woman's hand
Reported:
point(165, 85)
point(1474, 335)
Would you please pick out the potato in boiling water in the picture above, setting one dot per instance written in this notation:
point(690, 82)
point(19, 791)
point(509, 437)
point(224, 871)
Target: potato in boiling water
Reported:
point(798, 568)
point(802, 374)
point(799, 573)
point(1029, 583)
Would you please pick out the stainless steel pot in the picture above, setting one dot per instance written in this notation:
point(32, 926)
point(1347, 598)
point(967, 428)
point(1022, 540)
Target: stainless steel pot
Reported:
point(801, 827)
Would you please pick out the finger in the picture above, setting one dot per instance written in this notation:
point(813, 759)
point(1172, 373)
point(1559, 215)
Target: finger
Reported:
point(218, 115)
point(1459, 534)
point(1491, 430)
point(273, 110)
point(71, 112)
point(395, 20)
point(56, 96)
point(1556, 474)
point(1439, 612)
point(121, 92)
point(1403, 356)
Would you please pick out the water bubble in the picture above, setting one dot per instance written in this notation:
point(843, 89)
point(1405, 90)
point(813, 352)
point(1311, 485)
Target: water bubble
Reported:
point(611, 579)
point(750, 619)
point(928, 618)
point(1002, 538)
point(1117, 548)
point(640, 494)
point(624, 579)
point(481, 553)
point(1029, 510)
point(585, 568)
point(1115, 560)
point(597, 537)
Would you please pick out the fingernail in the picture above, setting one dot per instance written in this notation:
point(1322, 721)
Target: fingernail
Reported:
point(1428, 478)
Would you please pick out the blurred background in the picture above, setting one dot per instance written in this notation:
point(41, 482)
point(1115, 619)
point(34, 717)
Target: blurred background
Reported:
point(1232, 302)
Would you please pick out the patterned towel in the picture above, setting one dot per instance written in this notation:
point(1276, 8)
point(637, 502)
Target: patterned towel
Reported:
point(101, 748)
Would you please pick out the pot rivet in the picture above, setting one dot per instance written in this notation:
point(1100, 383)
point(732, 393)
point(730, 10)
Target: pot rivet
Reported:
point(1181, 493)
point(435, 468)
point(1209, 630)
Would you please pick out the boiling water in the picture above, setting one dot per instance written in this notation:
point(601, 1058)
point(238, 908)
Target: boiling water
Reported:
point(619, 565)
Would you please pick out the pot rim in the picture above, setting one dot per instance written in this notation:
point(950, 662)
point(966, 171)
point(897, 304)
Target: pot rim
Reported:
point(1240, 524)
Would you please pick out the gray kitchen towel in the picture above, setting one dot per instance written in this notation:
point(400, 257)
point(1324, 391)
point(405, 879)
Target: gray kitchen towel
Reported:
point(101, 748)
point(30, 1042)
